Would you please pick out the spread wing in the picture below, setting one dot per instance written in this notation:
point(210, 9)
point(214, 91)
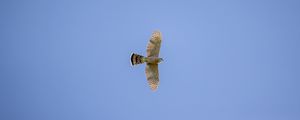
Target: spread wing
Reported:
point(152, 76)
point(154, 44)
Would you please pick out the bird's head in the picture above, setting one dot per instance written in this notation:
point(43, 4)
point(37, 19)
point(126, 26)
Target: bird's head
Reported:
point(160, 60)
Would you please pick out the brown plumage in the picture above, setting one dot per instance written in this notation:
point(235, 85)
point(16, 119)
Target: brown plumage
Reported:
point(151, 60)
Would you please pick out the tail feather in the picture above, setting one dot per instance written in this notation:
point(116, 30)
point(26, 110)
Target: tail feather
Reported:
point(136, 59)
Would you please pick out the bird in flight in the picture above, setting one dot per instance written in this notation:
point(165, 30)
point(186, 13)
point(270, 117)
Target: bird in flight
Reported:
point(151, 60)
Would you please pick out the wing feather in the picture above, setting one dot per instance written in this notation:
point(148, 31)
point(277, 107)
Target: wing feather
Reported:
point(153, 46)
point(152, 75)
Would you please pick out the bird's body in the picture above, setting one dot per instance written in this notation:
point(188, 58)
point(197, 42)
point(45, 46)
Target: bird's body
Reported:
point(151, 60)
point(139, 59)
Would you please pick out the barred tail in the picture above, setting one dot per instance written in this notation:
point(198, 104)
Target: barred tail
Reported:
point(136, 59)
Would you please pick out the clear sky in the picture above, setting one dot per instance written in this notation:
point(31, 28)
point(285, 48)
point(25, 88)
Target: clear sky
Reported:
point(223, 60)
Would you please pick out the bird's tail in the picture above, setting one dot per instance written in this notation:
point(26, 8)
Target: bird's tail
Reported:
point(136, 59)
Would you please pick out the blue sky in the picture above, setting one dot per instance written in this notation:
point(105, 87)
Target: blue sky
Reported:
point(223, 60)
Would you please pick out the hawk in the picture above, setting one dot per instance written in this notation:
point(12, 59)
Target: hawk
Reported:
point(151, 60)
